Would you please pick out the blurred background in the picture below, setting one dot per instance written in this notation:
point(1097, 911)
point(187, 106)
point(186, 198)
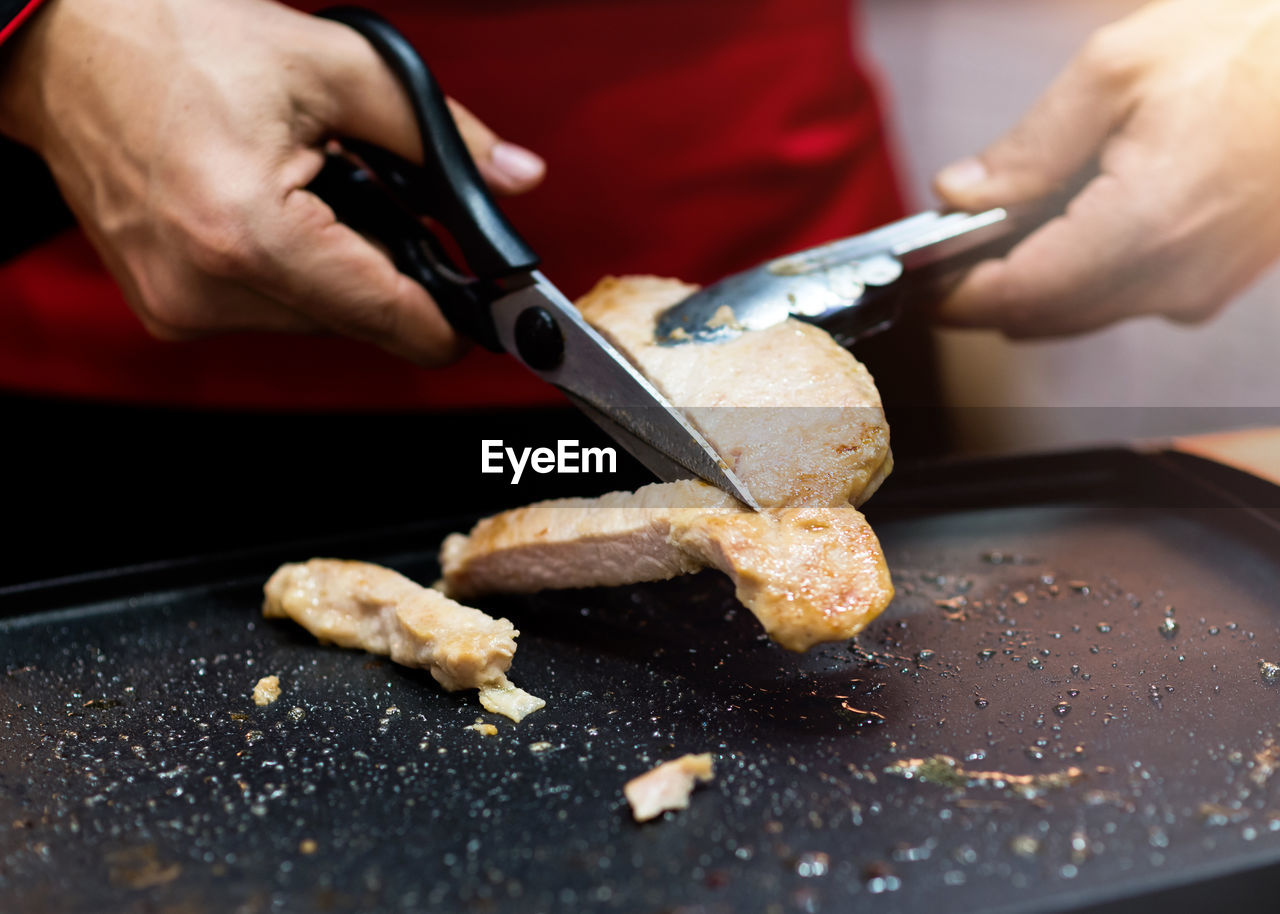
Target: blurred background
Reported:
point(958, 73)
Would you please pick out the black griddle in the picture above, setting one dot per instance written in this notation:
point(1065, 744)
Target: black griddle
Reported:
point(1027, 637)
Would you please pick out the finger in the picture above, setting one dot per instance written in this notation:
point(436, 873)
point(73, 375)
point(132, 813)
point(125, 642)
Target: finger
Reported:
point(1083, 270)
point(1054, 141)
point(506, 167)
point(365, 101)
point(354, 94)
point(321, 268)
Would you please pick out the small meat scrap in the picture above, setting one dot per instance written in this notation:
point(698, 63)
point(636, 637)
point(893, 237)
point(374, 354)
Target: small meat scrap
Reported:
point(668, 786)
point(266, 691)
point(361, 605)
point(505, 698)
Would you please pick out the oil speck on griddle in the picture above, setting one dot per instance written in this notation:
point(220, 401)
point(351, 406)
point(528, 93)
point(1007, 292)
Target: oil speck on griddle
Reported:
point(140, 867)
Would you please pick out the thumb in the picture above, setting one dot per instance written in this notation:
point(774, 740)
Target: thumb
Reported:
point(505, 166)
point(366, 102)
point(1061, 134)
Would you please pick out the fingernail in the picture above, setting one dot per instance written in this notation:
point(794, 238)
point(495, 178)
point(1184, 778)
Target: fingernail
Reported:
point(515, 163)
point(962, 175)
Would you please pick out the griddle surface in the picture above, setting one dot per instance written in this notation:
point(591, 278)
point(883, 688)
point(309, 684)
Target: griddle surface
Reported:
point(137, 774)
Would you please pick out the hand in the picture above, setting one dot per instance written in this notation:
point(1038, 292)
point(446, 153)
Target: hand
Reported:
point(1173, 117)
point(183, 135)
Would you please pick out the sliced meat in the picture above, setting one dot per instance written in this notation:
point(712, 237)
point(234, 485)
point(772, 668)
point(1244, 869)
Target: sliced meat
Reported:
point(796, 416)
point(361, 605)
point(667, 786)
point(809, 574)
point(619, 538)
point(800, 422)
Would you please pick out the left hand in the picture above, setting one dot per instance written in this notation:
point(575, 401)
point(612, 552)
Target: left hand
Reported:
point(184, 135)
point(1174, 116)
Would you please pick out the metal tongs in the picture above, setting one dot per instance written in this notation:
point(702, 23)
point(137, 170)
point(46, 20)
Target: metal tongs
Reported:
point(853, 287)
point(498, 298)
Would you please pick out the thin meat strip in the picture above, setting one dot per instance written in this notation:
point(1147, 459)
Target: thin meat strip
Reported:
point(366, 606)
point(618, 538)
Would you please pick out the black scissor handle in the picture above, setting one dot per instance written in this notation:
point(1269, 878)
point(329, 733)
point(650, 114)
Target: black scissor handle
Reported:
point(388, 203)
point(363, 202)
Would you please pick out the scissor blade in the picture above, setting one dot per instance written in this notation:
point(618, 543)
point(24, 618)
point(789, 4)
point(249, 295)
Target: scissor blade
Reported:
point(609, 389)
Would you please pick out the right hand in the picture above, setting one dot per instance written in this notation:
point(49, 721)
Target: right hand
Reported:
point(183, 135)
point(1167, 121)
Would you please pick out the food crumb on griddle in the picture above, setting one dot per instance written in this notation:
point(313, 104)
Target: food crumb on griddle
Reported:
point(667, 786)
point(483, 728)
point(1265, 762)
point(139, 868)
point(946, 771)
point(506, 698)
point(266, 691)
point(1025, 845)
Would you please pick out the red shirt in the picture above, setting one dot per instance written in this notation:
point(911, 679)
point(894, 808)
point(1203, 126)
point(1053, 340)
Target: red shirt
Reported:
point(687, 139)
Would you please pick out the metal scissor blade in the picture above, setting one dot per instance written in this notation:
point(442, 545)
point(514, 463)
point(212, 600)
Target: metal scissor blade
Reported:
point(609, 389)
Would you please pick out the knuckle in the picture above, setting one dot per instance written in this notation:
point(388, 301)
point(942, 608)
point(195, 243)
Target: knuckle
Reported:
point(1110, 57)
point(372, 318)
point(1020, 320)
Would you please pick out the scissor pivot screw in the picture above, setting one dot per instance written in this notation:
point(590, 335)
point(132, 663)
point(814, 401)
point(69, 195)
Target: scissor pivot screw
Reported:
point(538, 339)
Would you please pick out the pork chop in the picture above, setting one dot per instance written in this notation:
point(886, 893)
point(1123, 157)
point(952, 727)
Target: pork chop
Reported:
point(800, 422)
point(795, 415)
point(809, 574)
